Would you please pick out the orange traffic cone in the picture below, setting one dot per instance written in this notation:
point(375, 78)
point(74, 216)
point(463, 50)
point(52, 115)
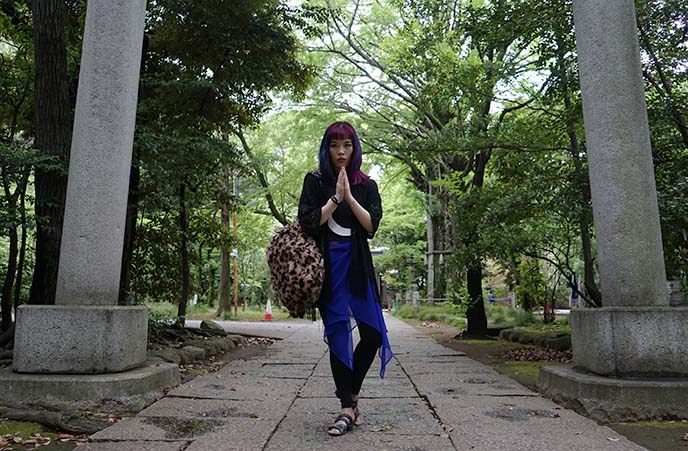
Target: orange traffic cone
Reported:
point(268, 312)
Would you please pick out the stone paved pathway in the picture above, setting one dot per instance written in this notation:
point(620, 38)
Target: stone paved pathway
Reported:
point(432, 399)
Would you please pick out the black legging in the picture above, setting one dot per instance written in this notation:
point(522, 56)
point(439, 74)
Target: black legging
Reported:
point(349, 382)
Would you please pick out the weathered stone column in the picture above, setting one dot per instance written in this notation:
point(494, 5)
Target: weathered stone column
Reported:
point(109, 338)
point(86, 332)
point(636, 333)
point(622, 181)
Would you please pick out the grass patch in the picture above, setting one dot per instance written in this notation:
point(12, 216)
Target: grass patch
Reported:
point(529, 370)
point(443, 312)
point(167, 310)
point(668, 425)
point(500, 316)
point(552, 329)
point(525, 373)
point(253, 314)
point(655, 435)
point(497, 316)
point(20, 428)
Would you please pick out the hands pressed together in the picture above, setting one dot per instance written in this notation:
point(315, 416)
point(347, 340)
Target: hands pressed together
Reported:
point(343, 190)
point(343, 194)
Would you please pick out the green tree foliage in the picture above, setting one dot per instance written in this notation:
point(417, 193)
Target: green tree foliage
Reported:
point(209, 69)
point(662, 29)
point(532, 289)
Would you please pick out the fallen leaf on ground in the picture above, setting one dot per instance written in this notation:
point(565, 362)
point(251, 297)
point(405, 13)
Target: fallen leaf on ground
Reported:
point(537, 354)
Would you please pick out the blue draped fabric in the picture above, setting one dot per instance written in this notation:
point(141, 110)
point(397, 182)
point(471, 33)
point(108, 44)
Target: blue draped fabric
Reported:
point(343, 305)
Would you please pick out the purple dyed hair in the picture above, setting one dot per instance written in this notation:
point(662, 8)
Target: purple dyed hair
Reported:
point(342, 130)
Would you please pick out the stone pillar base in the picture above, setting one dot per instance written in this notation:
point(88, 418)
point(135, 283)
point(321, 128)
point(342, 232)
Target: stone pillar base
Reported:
point(645, 342)
point(72, 339)
point(610, 400)
point(126, 391)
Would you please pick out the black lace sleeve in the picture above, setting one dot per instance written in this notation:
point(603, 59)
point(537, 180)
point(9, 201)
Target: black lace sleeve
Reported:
point(374, 206)
point(310, 204)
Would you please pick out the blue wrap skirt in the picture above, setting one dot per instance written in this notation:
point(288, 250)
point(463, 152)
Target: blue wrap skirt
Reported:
point(343, 306)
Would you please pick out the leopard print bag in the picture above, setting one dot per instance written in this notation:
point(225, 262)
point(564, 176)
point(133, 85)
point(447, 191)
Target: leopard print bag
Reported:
point(297, 269)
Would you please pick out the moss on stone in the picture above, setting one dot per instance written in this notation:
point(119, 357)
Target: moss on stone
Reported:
point(21, 428)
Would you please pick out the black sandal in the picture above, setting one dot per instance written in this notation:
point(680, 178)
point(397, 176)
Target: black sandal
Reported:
point(342, 429)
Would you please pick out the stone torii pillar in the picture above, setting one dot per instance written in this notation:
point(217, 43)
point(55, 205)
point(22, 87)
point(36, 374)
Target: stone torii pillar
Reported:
point(86, 332)
point(636, 334)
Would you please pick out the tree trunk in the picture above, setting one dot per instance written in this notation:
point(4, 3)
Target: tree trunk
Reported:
point(430, 256)
point(211, 279)
point(22, 251)
point(61, 421)
point(129, 237)
point(52, 124)
point(11, 274)
point(224, 300)
point(475, 315)
point(224, 295)
point(588, 261)
point(527, 303)
point(199, 270)
point(6, 302)
point(585, 220)
point(443, 243)
point(184, 230)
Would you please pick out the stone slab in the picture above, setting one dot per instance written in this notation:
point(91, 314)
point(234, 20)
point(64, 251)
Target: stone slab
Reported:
point(204, 434)
point(125, 391)
point(395, 387)
point(214, 386)
point(487, 423)
point(476, 384)
point(269, 368)
point(318, 440)
point(612, 399)
point(393, 369)
point(464, 367)
point(63, 339)
point(631, 341)
point(237, 435)
point(268, 329)
point(407, 416)
point(223, 409)
point(169, 429)
point(295, 357)
point(133, 445)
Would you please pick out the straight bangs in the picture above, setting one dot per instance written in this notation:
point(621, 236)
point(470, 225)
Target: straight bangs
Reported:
point(342, 130)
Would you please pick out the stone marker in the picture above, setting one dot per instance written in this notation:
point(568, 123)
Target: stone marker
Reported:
point(636, 333)
point(86, 332)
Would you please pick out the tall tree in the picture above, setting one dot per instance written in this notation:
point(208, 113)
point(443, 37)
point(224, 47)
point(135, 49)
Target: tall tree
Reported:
point(52, 130)
point(426, 77)
point(209, 71)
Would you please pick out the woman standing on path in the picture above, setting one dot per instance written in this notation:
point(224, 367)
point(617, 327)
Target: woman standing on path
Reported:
point(340, 207)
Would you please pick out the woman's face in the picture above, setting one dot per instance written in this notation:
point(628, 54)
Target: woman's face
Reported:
point(340, 153)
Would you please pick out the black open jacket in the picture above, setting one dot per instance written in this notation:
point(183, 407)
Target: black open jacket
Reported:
point(315, 193)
